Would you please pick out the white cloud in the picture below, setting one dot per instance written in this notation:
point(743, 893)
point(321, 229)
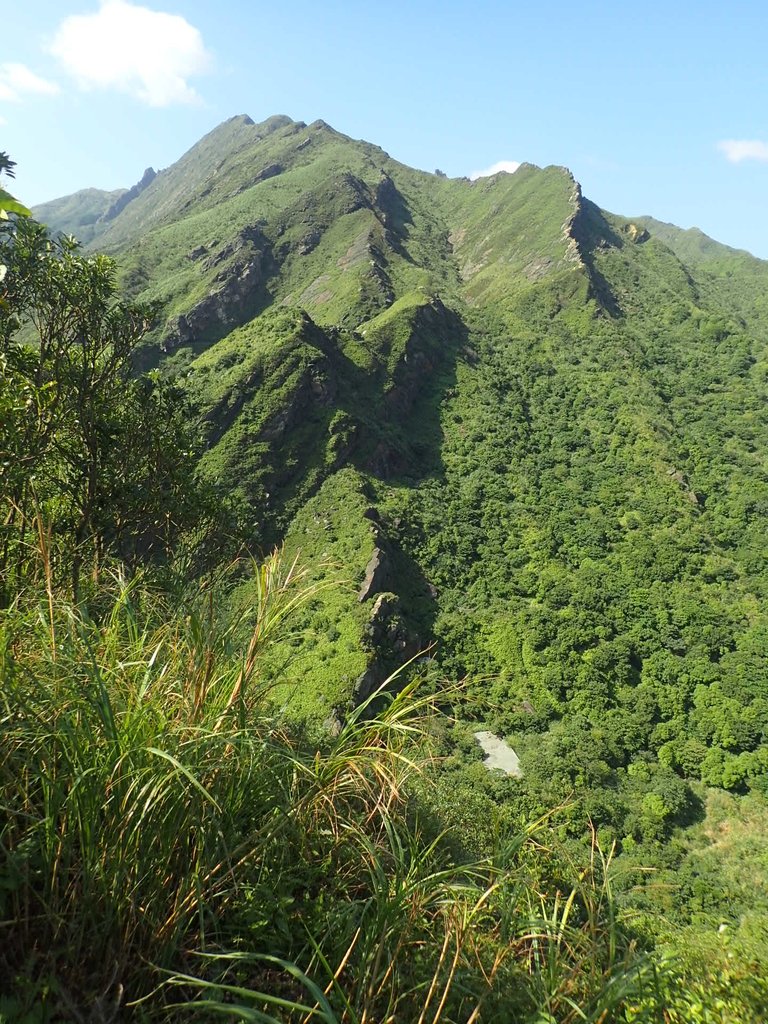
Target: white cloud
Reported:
point(737, 150)
point(147, 54)
point(510, 166)
point(17, 81)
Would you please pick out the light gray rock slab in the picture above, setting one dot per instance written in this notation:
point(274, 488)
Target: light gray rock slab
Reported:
point(499, 754)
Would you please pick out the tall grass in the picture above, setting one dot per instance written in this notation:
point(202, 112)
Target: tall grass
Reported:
point(169, 845)
point(139, 772)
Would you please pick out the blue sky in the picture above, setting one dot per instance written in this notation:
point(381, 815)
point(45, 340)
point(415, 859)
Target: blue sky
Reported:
point(656, 107)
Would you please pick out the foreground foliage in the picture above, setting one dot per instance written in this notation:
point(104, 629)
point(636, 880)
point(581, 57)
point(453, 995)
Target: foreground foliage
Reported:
point(105, 458)
point(168, 841)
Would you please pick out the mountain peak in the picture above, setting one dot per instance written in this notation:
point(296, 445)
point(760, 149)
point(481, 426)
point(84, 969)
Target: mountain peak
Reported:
point(125, 198)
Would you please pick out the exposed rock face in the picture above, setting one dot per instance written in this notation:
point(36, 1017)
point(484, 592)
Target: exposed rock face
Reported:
point(419, 358)
point(573, 252)
point(498, 754)
point(315, 385)
point(317, 208)
point(383, 607)
point(377, 575)
point(249, 239)
point(232, 300)
point(434, 338)
point(366, 683)
point(388, 200)
point(591, 233)
point(391, 645)
point(120, 203)
point(271, 171)
point(309, 242)
point(636, 233)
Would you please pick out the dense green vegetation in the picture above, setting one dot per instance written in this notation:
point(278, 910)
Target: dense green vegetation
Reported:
point(102, 462)
point(78, 214)
point(171, 843)
point(516, 441)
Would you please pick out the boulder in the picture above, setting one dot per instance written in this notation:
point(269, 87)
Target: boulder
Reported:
point(377, 575)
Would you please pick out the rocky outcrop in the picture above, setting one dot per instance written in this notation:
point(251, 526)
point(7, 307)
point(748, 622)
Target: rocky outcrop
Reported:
point(685, 486)
point(377, 575)
point(432, 326)
point(233, 296)
point(122, 201)
point(573, 252)
point(249, 239)
point(388, 200)
point(391, 644)
point(366, 683)
point(383, 608)
point(317, 208)
point(636, 233)
point(590, 234)
point(315, 384)
point(309, 242)
point(434, 340)
point(270, 171)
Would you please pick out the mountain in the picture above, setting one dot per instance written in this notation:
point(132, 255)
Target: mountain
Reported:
point(530, 432)
point(732, 278)
point(519, 442)
point(78, 214)
point(86, 213)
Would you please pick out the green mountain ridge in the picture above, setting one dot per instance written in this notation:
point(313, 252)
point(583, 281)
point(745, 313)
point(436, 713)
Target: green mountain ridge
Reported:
point(551, 413)
point(519, 442)
point(736, 277)
point(80, 213)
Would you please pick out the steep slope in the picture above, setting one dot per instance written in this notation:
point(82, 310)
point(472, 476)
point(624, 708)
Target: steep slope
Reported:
point(78, 214)
point(540, 422)
point(733, 278)
point(277, 212)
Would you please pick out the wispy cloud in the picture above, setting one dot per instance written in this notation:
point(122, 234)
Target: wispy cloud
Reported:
point(18, 81)
point(147, 54)
point(510, 166)
point(737, 150)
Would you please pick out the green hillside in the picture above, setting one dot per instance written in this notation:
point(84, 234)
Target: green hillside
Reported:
point(520, 444)
point(552, 411)
point(735, 279)
point(78, 214)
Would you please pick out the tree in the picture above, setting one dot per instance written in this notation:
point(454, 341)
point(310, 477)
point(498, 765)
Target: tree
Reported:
point(105, 458)
point(7, 203)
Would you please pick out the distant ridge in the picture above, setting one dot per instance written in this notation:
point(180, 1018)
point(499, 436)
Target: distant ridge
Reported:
point(126, 197)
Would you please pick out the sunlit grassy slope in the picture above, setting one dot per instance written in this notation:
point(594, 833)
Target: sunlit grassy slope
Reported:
point(553, 417)
point(79, 213)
